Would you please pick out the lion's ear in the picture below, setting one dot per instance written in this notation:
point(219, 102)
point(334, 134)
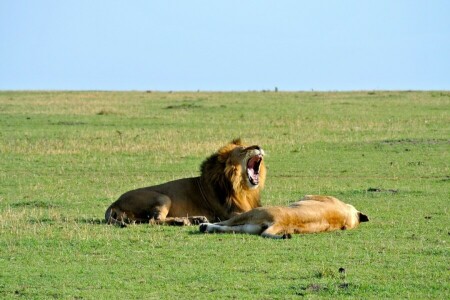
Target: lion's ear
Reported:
point(224, 153)
point(237, 142)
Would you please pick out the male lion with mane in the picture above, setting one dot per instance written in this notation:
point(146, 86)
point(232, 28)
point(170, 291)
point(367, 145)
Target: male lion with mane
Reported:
point(230, 183)
point(311, 214)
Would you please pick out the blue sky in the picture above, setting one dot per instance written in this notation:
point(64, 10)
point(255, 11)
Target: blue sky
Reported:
point(224, 45)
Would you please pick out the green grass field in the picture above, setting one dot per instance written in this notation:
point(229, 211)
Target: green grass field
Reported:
point(65, 156)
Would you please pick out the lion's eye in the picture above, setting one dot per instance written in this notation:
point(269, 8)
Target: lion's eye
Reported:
point(240, 150)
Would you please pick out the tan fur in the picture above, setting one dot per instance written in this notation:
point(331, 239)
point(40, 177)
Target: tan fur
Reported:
point(221, 191)
point(311, 214)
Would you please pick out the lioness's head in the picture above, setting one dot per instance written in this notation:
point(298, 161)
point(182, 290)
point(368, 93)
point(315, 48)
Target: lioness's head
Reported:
point(357, 217)
point(242, 165)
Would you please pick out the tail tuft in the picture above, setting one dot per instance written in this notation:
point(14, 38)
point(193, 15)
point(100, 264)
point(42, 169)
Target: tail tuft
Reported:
point(108, 215)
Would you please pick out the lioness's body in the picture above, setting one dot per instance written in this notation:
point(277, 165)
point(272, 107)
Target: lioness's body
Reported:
point(310, 215)
point(230, 183)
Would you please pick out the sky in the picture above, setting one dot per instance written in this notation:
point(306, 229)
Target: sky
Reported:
point(206, 45)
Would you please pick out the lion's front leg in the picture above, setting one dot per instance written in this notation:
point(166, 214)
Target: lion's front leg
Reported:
point(181, 221)
point(197, 220)
point(173, 221)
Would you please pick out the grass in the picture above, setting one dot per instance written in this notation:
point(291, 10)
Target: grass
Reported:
point(65, 156)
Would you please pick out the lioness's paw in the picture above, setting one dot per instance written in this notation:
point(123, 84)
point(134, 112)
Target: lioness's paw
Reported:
point(203, 227)
point(286, 236)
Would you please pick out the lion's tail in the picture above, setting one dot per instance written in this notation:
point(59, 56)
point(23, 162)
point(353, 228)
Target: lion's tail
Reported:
point(111, 217)
point(108, 215)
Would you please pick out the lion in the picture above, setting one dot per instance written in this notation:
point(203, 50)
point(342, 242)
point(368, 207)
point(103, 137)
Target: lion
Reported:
point(312, 214)
point(230, 182)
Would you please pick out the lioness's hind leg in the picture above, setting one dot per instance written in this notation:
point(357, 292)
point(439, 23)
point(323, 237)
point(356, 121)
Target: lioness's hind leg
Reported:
point(210, 228)
point(273, 232)
point(245, 228)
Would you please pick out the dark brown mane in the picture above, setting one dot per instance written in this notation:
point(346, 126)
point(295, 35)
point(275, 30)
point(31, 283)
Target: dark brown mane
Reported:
point(218, 176)
point(213, 174)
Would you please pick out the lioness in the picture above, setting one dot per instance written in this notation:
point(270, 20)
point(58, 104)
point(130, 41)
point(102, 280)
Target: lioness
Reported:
point(230, 182)
point(311, 214)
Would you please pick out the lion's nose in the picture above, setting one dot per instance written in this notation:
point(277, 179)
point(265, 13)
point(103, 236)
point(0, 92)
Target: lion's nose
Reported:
point(254, 147)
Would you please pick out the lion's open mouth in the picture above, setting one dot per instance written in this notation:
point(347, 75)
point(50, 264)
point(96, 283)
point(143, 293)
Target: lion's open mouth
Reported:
point(253, 165)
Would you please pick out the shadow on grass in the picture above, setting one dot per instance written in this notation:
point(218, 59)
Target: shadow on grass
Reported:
point(33, 204)
point(193, 230)
point(91, 221)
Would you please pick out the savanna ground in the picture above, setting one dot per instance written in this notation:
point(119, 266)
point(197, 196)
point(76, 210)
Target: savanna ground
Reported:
point(65, 156)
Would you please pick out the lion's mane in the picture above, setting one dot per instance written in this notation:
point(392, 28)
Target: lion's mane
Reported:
point(226, 183)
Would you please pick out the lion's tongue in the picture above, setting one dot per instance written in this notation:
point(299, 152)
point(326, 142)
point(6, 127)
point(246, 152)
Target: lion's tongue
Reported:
point(252, 162)
point(254, 178)
point(252, 171)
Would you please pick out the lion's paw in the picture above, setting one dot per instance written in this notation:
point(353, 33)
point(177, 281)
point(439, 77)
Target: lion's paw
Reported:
point(198, 220)
point(181, 222)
